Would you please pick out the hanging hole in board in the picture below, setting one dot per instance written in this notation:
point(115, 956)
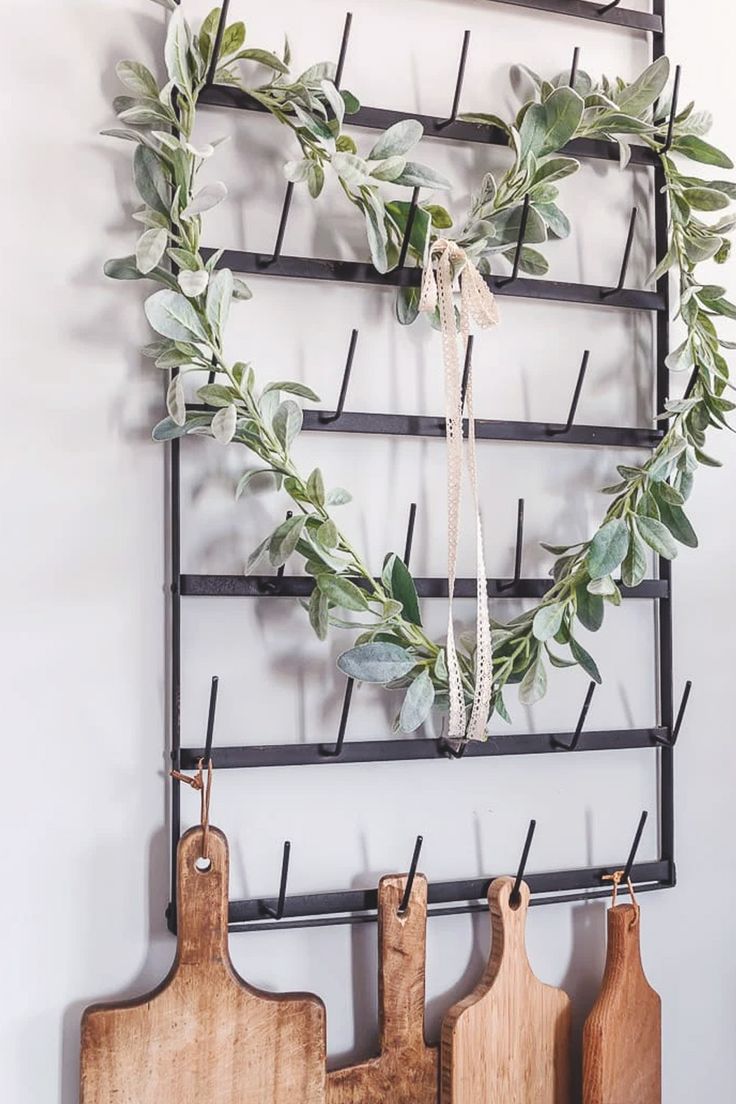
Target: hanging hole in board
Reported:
point(202, 865)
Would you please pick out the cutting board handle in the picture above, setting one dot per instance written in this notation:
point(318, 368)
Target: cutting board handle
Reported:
point(402, 951)
point(202, 899)
point(508, 924)
point(624, 946)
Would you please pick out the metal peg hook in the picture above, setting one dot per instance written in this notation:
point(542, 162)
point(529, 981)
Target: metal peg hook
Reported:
point(336, 751)
point(274, 587)
point(576, 395)
point(515, 898)
point(343, 49)
point(404, 906)
point(673, 109)
point(519, 549)
point(692, 381)
point(410, 533)
point(282, 224)
point(574, 66)
point(280, 909)
point(345, 381)
point(579, 726)
point(460, 78)
point(409, 227)
point(466, 371)
point(219, 34)
point(672, 739)
point(519, 246)
point(626, 257)
point(207, 757)
point(608, 7)
point(634, 846)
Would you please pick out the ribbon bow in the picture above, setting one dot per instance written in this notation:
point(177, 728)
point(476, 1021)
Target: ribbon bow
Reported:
point(478, 305)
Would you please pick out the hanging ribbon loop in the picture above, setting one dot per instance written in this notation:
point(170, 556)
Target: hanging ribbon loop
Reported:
point(447, 262)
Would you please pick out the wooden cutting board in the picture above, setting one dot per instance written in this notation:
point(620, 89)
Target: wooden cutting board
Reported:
point(508, 1041)
point(406, 1071)
point(204, 1036)
point(622, 1040)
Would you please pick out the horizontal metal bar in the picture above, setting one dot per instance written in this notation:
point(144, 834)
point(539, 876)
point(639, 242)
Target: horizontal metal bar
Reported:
point(583, 9)
point(381, 118)
point(419, 425)
point(361, 901)
point(414, 425)
point(357, 272)
point(402, 750)
point(301, 586)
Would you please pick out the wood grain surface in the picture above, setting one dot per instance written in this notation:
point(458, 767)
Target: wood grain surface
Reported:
point(204, 1036)
point(622, 1039)
point(407, 1070)
point(508, 1041)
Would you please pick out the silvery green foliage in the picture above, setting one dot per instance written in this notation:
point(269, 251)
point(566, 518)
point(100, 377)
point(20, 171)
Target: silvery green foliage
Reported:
point(189, 314)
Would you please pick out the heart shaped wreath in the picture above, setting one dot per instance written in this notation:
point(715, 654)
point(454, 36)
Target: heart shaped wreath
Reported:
point(190, 314)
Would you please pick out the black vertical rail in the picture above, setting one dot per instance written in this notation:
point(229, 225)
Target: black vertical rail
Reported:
point(664, 616)
point(343, 49)
point(174, 627)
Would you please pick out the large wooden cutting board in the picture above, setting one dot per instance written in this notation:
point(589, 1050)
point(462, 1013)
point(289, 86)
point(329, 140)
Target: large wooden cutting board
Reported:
point(204, 1036)
point(508, 1041)
point(406, 1071)
point(622, 1040)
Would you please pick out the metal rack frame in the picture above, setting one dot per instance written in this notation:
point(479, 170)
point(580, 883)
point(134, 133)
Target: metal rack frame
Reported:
point(461, 896)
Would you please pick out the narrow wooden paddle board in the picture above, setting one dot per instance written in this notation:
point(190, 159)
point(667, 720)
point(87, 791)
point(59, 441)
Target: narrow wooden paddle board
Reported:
point(622, 1040)
point(508, 1041)
point(406, 1071)
point(204, 1036)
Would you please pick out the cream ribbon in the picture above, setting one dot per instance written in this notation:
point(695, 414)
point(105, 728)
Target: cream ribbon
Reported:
point(477, 304)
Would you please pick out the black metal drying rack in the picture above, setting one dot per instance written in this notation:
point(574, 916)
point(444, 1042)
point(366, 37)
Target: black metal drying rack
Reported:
point(357, 906)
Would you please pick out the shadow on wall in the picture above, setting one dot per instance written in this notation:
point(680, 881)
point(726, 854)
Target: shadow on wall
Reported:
point(155, 966)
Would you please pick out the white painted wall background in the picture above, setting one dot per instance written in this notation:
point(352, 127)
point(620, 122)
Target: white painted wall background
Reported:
point(83, 556)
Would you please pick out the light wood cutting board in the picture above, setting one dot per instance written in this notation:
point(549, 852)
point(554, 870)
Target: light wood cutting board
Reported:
point(508, 1041)
point(204, 1036)
point(407, 1070)
point(622, 1040)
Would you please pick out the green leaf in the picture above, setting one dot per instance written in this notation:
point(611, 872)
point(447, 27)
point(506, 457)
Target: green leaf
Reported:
point(379, 663)
point(706, 199)
point(168, 430)
point(193, 284)
point(585, 660)
point(126, 268)
point(634, 566)
point(219, 298)
point(342, 592)
point(681, 358)
point(589, 608)
point(247, 477)
point(285, 539)
point(548, 127)
point(208, 197)
point(397, 140)
point(172, 315)
point(605, 586)
point(421, 176)
point(137, 78)
point(407, 305)
point(636, 97)
point(657, 536)
point(555, 168)
point(318, 613)
point(401, 586)
point(292, 388)
point(175, 403)
point(233, 39)
point(176, 51)
point(224, 424)
point(547, 621)
point(441, 219)
point(316, 487)
point(417, 704)
point(327, 534)
point(677, 522)
point(608, 548)
point(262, 57)
point(698, 150)
point(150, 248)
point(533, 686)
point(338, 496)
point(287, 422)
point(151, 180)
point(530, 260)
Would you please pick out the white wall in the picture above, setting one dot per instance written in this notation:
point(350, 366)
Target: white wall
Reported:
point(84, 652)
